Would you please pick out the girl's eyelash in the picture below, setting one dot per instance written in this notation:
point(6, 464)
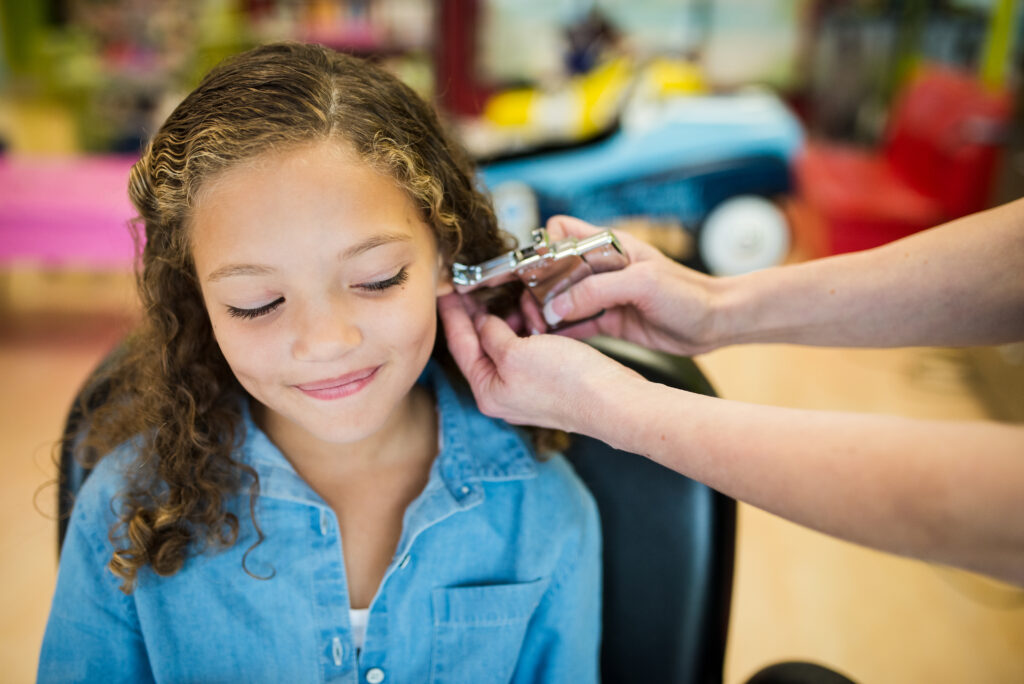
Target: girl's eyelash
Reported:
point(257, 312)
point(375, 286)
point(396, 279)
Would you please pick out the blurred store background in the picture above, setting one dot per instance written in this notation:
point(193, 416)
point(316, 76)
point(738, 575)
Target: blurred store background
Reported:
point(733, 134)
point(869, 119)
point(730, 132)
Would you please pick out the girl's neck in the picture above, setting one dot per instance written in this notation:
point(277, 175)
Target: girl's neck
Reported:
point(368, 484)
point(408, 438)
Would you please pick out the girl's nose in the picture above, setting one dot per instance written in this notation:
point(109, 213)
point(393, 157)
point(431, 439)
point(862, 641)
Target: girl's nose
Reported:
point(325, 334)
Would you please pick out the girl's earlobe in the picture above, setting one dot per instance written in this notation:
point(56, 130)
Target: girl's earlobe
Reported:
point(444, 285)
point(444, 278)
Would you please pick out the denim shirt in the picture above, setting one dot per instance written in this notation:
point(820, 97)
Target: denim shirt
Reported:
point(496, 578)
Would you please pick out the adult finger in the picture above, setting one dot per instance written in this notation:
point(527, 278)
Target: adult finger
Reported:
point(560, 226)
point(593, 294)
point(496, 338)
point(532, 315)
point(583, 331)
point(472, 305)
point(463, 341)
point(517, 321)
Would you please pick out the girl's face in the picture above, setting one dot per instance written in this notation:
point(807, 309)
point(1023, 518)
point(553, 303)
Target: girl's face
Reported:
point(320, 280)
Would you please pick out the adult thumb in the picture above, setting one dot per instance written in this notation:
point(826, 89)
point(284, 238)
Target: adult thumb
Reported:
point(590, 296)
point(496, 337)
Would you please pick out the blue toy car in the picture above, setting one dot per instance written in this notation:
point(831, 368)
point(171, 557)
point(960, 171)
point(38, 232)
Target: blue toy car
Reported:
point(712, 163)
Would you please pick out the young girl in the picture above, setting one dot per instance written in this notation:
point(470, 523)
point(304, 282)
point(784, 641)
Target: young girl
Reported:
point(300, 493)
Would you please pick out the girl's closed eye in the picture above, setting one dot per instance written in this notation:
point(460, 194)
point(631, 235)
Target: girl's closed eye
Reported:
point(378, 285)
point(255, 312)
point(373, 286)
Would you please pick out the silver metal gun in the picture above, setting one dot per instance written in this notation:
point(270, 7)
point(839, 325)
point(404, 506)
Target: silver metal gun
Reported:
point(547, 269)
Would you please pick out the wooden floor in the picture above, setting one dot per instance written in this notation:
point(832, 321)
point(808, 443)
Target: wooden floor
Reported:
point(878, 618)
point(798, 594)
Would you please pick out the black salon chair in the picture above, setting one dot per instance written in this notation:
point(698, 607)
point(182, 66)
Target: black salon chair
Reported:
point(71, 474)
point(668, 549)
point(668, 545)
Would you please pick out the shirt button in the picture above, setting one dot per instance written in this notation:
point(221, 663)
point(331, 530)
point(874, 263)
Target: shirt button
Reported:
point(464, 490)
point(325, 523)
point(337, 651)
point(375, 675)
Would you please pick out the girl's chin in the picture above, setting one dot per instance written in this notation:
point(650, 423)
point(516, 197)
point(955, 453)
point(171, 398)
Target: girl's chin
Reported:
point(303, 424)
point(343, 431)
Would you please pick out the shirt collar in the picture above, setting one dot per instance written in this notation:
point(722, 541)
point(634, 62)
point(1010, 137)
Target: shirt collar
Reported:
point(472, 447)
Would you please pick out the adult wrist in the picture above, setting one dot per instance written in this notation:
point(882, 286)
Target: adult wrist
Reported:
point(728, 300)
point(740, 306)
point(609, 398)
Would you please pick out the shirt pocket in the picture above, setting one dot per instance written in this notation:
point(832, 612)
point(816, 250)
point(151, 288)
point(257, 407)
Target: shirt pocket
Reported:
point(479, 630)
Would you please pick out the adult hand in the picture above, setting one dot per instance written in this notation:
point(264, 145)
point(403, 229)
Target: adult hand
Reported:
point(654, 302)
point(543, 380)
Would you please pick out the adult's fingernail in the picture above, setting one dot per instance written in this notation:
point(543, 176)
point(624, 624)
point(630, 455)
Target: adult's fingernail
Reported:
point(556, 309)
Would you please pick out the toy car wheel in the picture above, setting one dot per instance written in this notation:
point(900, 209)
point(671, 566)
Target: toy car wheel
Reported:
point(743, 234)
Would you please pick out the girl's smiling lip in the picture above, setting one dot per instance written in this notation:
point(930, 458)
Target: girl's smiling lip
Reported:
point(341, 386)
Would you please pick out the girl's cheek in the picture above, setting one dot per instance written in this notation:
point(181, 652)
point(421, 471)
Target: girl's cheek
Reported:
point(243, 344)
point(409, 314)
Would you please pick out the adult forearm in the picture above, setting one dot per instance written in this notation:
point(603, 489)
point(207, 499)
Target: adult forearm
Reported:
point(949, 492)
point(961, 283)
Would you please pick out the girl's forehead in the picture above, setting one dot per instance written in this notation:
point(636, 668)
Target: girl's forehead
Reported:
point(321, 195)
point(320, 172)
point(318, 154)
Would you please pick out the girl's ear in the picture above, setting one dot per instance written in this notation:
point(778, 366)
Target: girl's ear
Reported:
point(444, 278)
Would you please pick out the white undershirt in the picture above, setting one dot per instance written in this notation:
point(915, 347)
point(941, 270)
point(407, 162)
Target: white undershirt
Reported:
point(358, 618)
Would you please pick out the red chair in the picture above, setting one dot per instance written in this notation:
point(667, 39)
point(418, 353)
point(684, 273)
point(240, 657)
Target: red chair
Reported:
point(936, 164)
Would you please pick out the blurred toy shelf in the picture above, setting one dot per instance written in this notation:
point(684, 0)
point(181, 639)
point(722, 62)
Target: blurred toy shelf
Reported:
point(549, 95)
point(65, 212)
point(83, 85)
point(118, 68)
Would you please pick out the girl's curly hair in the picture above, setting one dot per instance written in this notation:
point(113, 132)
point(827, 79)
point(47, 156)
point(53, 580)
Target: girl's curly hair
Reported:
point(172, 392)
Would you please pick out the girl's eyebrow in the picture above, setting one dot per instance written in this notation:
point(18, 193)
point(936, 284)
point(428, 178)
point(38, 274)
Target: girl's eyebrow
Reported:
point(239, 270)
point(355, 250)
point(374, 241)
